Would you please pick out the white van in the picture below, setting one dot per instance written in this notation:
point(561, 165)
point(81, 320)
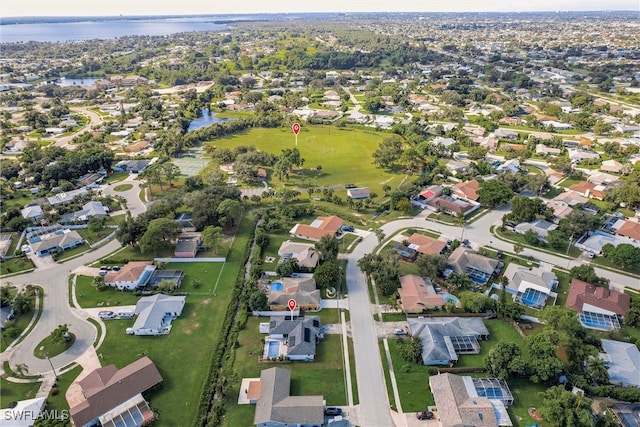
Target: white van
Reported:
point(125, 314)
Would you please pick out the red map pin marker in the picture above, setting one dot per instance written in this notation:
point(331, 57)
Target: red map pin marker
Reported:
point(295, 128)
point(292, 304)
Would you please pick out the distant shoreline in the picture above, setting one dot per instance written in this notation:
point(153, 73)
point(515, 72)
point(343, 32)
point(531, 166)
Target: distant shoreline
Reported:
point(235, 18)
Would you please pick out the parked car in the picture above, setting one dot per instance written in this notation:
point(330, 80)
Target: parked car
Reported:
point(350, 186)
point(107, 315)
point(116, 268)
point(125, 314)
point(424, 415)
point(103, 273)
point(349, 228)
point(332, 410)
point(399, 331)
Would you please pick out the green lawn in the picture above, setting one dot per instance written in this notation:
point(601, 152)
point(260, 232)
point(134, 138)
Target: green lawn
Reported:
point(510, 235)
point(123, 187)
point(346, 241)
point(183, 357)
point(94, 236)
point(307, 378)
point(344, 154)
point(13, 392)
point(13, 328)
point(115, 177)
point(58, 402)
point(526, 395)
point(49, 348)
point(15, 265)
point(412, 380)
point(566, 183)
point(89, 296)
point(69, 253)
point(499, 331)
point(564, 282)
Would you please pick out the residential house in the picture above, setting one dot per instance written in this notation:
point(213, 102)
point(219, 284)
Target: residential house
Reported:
point(453, 206)
point(66, 197)
point(589, 190)
point(34, 213)
point(443, 338)
point(467, 190)
point(113, 397)
point(262, 174)
point(186, 248)
point(556, 125)
point(577, 155)
point(466, 261)
point(455, 167)
point(155, 313)
point(623, 362)
point(540, 226)
point(511, 166)
point(132, 166)
point(611, 166)
point(628, 229)
point(140, 274)
point(304, 253)
point(277, 408)
point(506, 134)
point(24, 413)
point(137, 147)
point(426, 245)
point(5, 244)
point(89, 210)
point(417, 294)
point(543, 150)
point(58, 240)
point(530, 286)
point(422, 199)
point(597, 306)
point(601, 178)
point(445, 143)
point(358, 193)
point(91, 180)
point(298, 336)
point(321, 226)
point(467, 401)
point(301, 289)
point(185, 220)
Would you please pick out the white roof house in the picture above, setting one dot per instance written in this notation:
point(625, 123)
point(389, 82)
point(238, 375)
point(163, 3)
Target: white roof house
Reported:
point(623, 362)
point(530, 286)
point(155, 313)
point(32, 212)
point(512, 165)
point(24, 414)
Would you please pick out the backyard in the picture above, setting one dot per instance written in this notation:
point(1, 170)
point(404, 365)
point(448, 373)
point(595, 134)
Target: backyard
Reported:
point(307, 378)
point(192, 339)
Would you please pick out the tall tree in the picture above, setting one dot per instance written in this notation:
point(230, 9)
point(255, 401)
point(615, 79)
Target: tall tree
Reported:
point(230, 212)
point(212, 237)
point(565, 409)
point(159, 235)
point(170, 171)
point(328, 247)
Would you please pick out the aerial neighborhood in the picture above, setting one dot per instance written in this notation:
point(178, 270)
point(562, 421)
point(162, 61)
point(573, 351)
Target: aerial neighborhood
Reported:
point(332, 220)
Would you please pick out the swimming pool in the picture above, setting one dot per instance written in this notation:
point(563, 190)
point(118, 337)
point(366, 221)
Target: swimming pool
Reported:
point(491, 393)
point(596, 322)
point(449, 297)
point(533, 298)
point(276, 286)
point(273, 349)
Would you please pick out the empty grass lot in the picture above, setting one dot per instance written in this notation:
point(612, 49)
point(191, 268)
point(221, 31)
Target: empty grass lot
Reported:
point(183, 357)
point(344, 154)
point(89, 296)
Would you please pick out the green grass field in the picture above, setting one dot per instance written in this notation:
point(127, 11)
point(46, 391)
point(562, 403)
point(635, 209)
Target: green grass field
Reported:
point(192, 338)
point(15, 265)
point(344, 154)
point(499, 331)
point(13, 392)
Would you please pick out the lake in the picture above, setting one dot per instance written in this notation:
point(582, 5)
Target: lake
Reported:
point(90, 30)
point(83, 81)
point(206, 119)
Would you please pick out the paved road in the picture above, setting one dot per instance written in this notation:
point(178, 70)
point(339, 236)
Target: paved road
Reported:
point(134, 204)
point(56, 311)
point(94, 120)
point(374, 401)
point(53, 278)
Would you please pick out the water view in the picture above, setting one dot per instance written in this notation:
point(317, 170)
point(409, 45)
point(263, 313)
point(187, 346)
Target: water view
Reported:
point(89, 30)
point(206, 119)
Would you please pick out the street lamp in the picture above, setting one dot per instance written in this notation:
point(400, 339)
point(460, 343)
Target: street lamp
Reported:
point(52, 368)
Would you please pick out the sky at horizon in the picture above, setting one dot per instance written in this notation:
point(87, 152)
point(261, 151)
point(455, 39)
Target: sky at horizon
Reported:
point(43, 8)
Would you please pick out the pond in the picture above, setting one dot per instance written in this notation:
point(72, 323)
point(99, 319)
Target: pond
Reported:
point(206, 119)
point(82, 81)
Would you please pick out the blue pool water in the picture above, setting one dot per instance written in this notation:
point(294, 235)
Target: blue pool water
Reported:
point(491, 393)
point(276, 286)
point(595, 323)
point(448, 297)
point(274, 349)
point(533, 298)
